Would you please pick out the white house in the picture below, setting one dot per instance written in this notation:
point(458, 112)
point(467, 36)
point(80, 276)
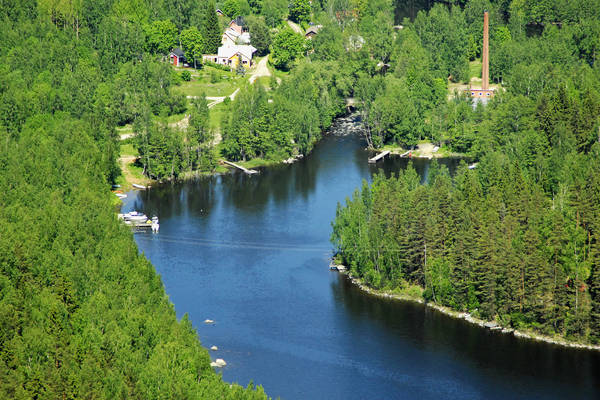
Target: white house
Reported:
point(232, 55)
point(233, 37)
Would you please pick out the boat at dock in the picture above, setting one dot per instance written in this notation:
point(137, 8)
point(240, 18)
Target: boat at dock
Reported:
point(136, 219)
point(134, 216)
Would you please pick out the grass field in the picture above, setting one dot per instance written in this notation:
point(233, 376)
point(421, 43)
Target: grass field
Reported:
point(475, 69)
point(211, 82)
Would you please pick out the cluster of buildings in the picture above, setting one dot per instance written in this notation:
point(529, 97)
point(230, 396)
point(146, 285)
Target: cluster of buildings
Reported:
point(235, 48)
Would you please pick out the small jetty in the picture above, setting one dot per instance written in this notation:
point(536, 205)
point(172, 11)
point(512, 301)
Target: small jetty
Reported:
point(405, 154)
point(138, 220)
point(337, 267)
point(378, 157)
point(246, 170)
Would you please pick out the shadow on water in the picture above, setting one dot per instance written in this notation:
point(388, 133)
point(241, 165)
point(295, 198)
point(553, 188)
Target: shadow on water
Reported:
point(527, 365)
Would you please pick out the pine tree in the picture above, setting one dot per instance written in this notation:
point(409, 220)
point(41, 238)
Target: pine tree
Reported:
point(211, 31)
point(594, 283)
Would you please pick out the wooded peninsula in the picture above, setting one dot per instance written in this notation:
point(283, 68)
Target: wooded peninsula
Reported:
point(93, 91)
point(515, 237)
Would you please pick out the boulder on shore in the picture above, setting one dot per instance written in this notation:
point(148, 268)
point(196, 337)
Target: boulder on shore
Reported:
point(491, 325)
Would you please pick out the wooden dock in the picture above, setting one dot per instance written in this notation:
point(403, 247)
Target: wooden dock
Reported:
point(378, 157)
point(246, 170)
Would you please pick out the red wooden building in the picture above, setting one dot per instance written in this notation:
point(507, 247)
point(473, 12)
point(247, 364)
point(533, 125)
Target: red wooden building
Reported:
point(177, 57)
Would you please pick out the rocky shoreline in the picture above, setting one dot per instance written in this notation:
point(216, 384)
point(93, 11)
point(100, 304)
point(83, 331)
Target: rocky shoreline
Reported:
point(493, 326)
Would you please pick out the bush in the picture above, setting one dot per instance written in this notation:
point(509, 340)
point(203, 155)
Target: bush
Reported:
point(218, 66)
point(186, 76)
point(214, 77)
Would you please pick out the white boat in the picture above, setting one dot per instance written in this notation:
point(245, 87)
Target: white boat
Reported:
point(121, 195)
point(135, 185)
point(135, 216)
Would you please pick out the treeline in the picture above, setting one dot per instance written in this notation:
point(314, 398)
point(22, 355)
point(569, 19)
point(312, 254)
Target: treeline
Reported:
point(410, 102)
point(82, 314)
point(489, 242)
point(287, 121)
point(516, 239)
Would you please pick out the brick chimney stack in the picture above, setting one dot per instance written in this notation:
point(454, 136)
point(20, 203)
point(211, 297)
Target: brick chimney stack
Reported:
point(485, 70)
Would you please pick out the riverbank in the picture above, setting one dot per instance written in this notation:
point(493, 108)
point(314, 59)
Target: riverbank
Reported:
point(130, 173)
point(423, 150)
point(491, 325)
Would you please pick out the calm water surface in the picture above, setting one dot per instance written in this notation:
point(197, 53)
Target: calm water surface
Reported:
point(252, 254)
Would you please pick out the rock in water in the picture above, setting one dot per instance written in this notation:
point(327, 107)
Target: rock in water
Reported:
point(218, 363)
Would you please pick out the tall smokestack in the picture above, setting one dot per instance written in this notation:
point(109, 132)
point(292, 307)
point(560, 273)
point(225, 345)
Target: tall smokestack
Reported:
point(485, 70)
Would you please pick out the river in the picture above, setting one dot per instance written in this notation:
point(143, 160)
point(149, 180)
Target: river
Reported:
point(252, 254)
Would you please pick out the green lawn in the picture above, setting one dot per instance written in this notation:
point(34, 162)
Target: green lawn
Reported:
point(125, 129)
point(211, 82)
point(216, 115)
point(127, 149)
point(475, 69)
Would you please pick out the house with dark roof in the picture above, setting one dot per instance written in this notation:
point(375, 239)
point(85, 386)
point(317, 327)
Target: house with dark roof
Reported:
point(177, 57)
point(312, 31)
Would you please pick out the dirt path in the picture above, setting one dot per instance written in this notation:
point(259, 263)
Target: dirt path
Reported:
point(261, 70)
point(213, 101)
point(124, 162)
point(295, 27)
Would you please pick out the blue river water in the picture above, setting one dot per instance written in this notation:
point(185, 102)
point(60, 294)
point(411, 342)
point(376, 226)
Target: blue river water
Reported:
point(252, 254)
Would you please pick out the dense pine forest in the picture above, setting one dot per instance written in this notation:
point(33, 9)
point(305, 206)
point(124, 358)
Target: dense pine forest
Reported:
point(515, 238)
point(82, 315)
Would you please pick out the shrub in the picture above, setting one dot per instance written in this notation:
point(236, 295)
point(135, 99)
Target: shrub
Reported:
point(186, 76)
point(214, 77)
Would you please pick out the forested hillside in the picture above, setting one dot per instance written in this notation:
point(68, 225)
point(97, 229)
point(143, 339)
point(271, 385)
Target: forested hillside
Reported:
point(82, 315)
point(516, 239)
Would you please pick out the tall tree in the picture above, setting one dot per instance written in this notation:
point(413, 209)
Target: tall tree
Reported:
point(193, 44)
point(211, 31)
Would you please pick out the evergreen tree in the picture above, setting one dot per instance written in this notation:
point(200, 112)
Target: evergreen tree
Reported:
point(211, 31)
